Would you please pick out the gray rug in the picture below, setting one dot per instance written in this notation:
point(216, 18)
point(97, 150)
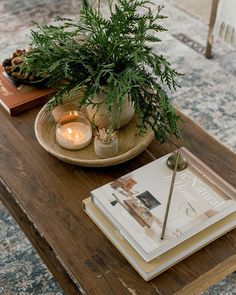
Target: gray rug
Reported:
point(199, 9)
point(207, 96)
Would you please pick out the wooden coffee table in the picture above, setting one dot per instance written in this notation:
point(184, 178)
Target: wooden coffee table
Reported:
point(44, 196)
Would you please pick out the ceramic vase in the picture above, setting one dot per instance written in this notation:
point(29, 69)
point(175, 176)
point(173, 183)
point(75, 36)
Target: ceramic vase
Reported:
point(101, 117)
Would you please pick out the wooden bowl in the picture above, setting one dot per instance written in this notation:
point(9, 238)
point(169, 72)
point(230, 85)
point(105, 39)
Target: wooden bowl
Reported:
point(130, 143)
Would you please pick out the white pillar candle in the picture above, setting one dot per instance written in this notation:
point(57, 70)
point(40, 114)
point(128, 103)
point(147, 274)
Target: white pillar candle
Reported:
point(74, 135)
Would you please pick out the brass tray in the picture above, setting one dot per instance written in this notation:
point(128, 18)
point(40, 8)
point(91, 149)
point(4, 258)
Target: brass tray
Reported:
point(130, 143)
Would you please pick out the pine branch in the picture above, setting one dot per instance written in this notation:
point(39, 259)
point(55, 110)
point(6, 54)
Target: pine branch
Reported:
point(114, 54)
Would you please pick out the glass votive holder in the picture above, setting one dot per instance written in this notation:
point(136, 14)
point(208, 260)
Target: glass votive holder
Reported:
point(60, 110)
point(73, 131)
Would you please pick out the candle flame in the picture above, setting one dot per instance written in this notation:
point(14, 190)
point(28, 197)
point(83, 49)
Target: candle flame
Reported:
point(75, 134)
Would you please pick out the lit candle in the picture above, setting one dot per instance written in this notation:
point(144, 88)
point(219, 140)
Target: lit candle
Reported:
point(73, 132)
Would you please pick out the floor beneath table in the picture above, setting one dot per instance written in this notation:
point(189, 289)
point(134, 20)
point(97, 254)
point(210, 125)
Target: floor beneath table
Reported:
point(207, 95)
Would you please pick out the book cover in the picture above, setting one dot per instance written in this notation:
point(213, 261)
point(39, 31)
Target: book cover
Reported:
point(136, 203)
point(17, 99)
point(149, 270)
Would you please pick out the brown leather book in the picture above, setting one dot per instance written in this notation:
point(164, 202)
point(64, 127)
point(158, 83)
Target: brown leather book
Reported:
point(16, 99)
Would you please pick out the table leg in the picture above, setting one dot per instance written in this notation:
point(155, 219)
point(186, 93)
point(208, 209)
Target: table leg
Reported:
point(214, 7)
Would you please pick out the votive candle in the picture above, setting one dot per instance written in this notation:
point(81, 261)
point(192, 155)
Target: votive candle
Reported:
point(73, 131)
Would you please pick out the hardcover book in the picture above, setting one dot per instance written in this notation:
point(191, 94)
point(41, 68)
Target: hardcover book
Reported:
point(135, 204)
point(149, 270)
point(17, 99)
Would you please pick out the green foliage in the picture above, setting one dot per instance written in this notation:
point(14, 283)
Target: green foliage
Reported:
point(114, 54)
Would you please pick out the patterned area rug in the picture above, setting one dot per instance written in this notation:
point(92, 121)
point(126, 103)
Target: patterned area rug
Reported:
point(207, 96)
point(200, 9)
point(21, 270)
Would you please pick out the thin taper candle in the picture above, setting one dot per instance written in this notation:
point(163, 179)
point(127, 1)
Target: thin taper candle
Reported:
point(170, 195)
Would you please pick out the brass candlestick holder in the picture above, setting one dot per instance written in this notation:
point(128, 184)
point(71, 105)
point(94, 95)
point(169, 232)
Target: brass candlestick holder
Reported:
point(175, 162)
point(182, 163)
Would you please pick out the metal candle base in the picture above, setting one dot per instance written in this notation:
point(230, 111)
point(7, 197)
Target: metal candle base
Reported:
point(183, 162)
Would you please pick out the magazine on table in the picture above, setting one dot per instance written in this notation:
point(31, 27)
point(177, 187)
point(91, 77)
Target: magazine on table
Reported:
point(135, 204)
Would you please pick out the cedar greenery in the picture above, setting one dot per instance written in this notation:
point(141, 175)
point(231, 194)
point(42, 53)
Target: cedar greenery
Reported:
point(114, 54)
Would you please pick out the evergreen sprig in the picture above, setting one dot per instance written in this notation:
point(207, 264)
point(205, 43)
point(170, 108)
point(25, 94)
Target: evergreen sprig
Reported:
point(96, 53)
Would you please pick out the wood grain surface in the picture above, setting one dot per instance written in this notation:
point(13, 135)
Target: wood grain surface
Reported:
point(49, 193)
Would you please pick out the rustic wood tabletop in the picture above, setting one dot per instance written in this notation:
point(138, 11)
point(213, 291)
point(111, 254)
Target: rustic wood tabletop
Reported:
point(45, 196)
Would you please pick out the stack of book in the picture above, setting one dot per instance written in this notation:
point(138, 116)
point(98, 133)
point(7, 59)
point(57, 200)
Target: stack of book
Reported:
point(130, 212)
